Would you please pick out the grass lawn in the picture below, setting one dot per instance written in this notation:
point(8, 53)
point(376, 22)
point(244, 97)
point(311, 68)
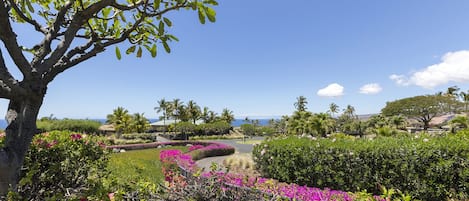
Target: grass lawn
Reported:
point(131, 166)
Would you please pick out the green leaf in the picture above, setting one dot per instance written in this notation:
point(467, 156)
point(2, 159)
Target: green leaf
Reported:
point(156, 4)
point(166, 47)
point(121, 14)
point(210, 14)
point(201, 16)
point(153, 51)
point(118, 53)
point(139, 52)
point(106, 12)
point(172, 37)
point(30, 7)
point(167, 21)
point(161, 28)
point(130, 50)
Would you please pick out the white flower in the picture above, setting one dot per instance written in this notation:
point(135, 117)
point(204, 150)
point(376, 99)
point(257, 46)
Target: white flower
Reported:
point(425, 140)
point(262, 152)
point(314, 138)
point(333, 140)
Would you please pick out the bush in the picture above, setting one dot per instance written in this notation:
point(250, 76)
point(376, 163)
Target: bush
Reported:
point(426, 168)
point(141, 136)
point(75, 125)
point(215, 128)
point(62, 165)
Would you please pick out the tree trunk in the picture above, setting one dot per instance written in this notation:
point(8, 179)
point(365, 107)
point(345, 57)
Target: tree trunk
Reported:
point(21, 117)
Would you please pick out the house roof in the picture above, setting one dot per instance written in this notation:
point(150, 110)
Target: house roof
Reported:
point(107, 127)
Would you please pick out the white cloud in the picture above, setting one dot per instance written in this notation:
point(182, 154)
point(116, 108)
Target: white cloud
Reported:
point(454, 67)
point(372, 88)
point(332, 90)
point(400, 79)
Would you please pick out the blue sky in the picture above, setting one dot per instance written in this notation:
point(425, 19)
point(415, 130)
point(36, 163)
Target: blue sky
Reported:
point(260, 55)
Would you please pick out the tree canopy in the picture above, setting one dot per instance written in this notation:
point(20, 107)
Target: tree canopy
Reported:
point(421, 108)
point(68, 33)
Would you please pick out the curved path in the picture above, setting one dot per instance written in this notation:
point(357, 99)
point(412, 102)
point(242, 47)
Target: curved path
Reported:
point(239, 149)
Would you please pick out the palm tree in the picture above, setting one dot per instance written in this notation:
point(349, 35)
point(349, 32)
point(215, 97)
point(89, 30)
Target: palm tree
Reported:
point(118, 119)
point(163, 106)
point(398, 121)
point(350, 111)
point(139, 123)
point(300, 104)
point(205, 115)
point(465, 99)
point(212, 116)
point(227, 116)
point(333, 109)
point(322, 124)
point(452, 91)
point(177, 107)
point(193, 110)
point(458, 122)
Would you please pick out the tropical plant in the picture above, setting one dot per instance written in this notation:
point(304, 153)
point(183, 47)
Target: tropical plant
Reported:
point(193, 110)
point(140, 124)
point(163, 106)
point(300, 104)
point(177, 108)
point(333, 109)
point(120, 119)
point(458, 122)
point(465, 99)
point(70, 32)
point(227, 115)
point(322, 124)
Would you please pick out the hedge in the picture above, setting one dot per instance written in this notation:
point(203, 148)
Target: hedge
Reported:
point(426, 168)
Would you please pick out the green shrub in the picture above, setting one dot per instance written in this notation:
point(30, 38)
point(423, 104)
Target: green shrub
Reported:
point(63, 166)
point(75, 125)
point(141, 136)
point(426, 168)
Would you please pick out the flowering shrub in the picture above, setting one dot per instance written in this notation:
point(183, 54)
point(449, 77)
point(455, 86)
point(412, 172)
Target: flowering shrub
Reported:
point(62, 165)
point(212, 149)
point(217, 185)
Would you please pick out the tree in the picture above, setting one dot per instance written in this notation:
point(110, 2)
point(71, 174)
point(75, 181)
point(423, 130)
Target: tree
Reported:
point(205, 115)
point(193, 110)
point(460, 122)
point(163, 106)
point(119, 119)
point(177, 107)
point(139, 123)
point(69, 33)
point(227, 116)
point(333, 109)
point(421, 108)
point(300, 104)
point(321, 124)
point(465, 99)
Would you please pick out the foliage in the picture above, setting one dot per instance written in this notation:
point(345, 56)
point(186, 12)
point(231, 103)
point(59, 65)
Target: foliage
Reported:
point(300, 104)
point(123, 122)
point(426, 168)
point(248, 129)
point(75, 125)
point(215, 128)
point(421, 108)
point(184, 127)
point(62, 165)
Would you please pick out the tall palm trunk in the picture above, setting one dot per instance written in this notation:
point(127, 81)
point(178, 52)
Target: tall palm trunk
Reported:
point(21, 117)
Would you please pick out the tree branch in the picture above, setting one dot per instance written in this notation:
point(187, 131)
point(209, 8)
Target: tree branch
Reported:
point(7, 82)
point(51, 34)
point(9, 40)
point(78, 20)
point(33, 22)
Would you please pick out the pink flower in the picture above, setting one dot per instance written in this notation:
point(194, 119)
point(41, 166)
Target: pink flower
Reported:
point(76, 136)
point(111, 196)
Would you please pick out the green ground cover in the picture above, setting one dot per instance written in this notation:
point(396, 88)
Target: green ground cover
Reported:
point(133, 166)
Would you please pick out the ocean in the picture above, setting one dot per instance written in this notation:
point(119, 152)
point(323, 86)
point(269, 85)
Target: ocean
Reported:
point(235, 123)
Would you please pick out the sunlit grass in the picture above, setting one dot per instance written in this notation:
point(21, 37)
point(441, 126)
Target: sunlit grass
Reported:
point(132, 166)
